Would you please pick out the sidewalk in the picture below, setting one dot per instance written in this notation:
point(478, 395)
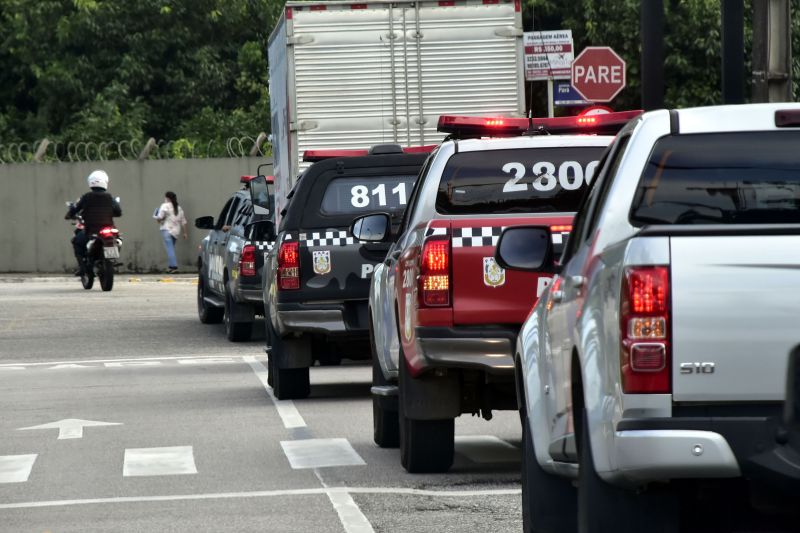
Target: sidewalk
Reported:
point(118, 278)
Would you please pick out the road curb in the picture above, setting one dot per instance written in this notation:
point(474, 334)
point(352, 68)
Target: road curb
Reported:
point(188, 279)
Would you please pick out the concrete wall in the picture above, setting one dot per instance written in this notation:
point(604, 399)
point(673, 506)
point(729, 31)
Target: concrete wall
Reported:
point(34, 237)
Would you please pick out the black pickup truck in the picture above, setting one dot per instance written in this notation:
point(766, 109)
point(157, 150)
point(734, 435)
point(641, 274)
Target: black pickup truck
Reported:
point(231, 258)
point(317, 277)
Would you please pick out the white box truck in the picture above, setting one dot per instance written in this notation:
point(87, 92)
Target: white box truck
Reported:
point(348, 75)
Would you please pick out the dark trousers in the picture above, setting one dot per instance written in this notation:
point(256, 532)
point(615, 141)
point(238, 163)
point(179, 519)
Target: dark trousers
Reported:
point(79, 245)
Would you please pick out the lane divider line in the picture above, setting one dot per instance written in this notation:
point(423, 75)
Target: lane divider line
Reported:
point(350, 515)
point(286, 409)
point(121, 360)
point(265, 494)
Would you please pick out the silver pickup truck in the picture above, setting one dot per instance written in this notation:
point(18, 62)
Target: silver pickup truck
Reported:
point(653, 373)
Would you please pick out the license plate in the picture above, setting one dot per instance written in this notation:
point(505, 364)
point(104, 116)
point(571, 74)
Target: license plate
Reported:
point(111, 252)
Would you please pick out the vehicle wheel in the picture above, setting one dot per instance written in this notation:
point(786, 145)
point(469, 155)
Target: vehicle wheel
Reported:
point(549, 503)
point(603, 507)
point(207, 313)
point(235, 331)
point(286, 383)
point(385, 423)
point(425, 445)
point(87, 278)
point(107, 276)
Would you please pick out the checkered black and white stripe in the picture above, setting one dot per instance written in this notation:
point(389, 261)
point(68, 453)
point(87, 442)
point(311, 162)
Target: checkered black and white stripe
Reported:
point(560, 238)
point(263, 246)
point(483, 236)
point(435, 231)
point(329, 238)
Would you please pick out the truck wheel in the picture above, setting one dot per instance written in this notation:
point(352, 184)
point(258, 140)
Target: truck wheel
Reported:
point(291, 383)
point(235, 331)
point(207, 314)
point(385, 423)
point(286, 383)
point(549, 503)
point(425, 445)
point(603, 507)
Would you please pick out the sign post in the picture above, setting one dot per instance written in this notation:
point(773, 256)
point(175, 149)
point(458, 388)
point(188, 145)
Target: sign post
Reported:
point(598, 74)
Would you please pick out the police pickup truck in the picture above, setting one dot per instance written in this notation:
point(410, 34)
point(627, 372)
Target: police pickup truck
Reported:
point(444, 315)
point(654, 369)
point(316, 280)
point(230, 258)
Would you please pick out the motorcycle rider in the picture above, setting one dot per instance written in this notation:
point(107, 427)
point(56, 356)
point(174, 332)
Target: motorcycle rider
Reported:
point(98, 208)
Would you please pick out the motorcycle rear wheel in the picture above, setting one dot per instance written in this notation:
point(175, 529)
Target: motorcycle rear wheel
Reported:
point(107, 276)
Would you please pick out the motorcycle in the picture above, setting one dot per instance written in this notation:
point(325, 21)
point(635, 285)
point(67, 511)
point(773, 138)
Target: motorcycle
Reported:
point(102, 254)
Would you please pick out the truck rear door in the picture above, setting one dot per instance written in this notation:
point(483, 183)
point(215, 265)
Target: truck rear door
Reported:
point(730, 204)
point(333, 264)
point(482, 192)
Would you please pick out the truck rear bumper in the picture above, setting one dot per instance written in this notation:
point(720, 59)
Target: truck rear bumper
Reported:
point(757, 447)
point(247, 295)
point(489, 349)
point(329, 318)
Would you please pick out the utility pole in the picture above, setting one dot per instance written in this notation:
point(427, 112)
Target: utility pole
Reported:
point(652, 62)
point(733, 51)
point(772, 51)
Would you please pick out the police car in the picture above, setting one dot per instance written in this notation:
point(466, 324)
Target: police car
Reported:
point(316, 280)
point(230, 258)
point(444, 315)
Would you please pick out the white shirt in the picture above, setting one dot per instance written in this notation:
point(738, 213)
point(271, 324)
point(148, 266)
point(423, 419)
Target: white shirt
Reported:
point(169, 220)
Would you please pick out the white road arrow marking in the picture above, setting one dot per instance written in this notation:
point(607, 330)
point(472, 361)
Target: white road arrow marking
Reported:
point(71, 428)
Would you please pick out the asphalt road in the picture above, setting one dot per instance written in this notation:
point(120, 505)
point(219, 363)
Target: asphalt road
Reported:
point(197, 442)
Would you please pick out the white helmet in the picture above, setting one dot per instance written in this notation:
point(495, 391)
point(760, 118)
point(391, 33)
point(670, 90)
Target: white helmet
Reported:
point(98, 178)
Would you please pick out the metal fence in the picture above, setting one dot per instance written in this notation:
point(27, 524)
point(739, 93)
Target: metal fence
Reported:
point(44, 150)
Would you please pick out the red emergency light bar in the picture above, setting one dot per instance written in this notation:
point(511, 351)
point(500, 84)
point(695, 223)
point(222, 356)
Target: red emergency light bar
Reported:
point(606, 123)
point(312, 156)
point(248, 179)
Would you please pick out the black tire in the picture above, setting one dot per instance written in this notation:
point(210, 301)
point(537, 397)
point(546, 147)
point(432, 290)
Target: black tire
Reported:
point(426, 446)
point(385, 422)
point(87, 278)
point(235, 331)
point(207, 314)
point(107, 276)
point(291, 383)
point(603, 507)
point(549, 503)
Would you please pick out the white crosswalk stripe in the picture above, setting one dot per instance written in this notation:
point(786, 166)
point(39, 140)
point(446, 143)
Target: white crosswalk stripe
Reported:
point(167, 461)
point(318, 453)
point(16, 468)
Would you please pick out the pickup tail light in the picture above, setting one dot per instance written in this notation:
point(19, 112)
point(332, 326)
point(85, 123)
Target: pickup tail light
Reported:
point(434, 279)
point(247, 261)
point(645, 330)
point(289, 266)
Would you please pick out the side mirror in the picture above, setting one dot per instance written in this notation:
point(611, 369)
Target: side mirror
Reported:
point(527, 248)
point(204, 223)
point(261, 230)
point(372, 228)
point(262, 200)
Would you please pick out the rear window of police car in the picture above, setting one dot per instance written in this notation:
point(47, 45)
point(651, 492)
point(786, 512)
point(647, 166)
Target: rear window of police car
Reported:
point(364, 194)
point(526, 180)
point(721, 178)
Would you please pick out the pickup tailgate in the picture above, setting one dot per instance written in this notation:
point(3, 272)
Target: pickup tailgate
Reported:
point(484, 293)
point(735, 304)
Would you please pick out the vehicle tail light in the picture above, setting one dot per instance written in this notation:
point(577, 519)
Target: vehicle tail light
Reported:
point(247, 261)
point(434, 279)
point(289, 266)
point(108, 232)
point(645, 330)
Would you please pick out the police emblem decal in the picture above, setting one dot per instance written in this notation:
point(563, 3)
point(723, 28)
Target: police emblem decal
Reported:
point(322, 262)
point(493, 274)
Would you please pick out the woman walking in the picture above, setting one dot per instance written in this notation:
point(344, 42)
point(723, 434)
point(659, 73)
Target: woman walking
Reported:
point(172, 219)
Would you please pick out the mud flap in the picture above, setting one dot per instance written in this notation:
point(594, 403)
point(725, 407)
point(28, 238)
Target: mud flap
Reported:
point(292, 352)
point(432, 397)
point(242, 312)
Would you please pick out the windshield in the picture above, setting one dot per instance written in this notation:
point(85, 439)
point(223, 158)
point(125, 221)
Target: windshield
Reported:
point(523, 180)
point(721, 178)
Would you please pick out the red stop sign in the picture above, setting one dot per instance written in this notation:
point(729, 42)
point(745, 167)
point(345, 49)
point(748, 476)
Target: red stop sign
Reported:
point(598, 74)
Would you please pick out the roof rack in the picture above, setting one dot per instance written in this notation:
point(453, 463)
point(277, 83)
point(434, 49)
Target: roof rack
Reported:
point(312, 156)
